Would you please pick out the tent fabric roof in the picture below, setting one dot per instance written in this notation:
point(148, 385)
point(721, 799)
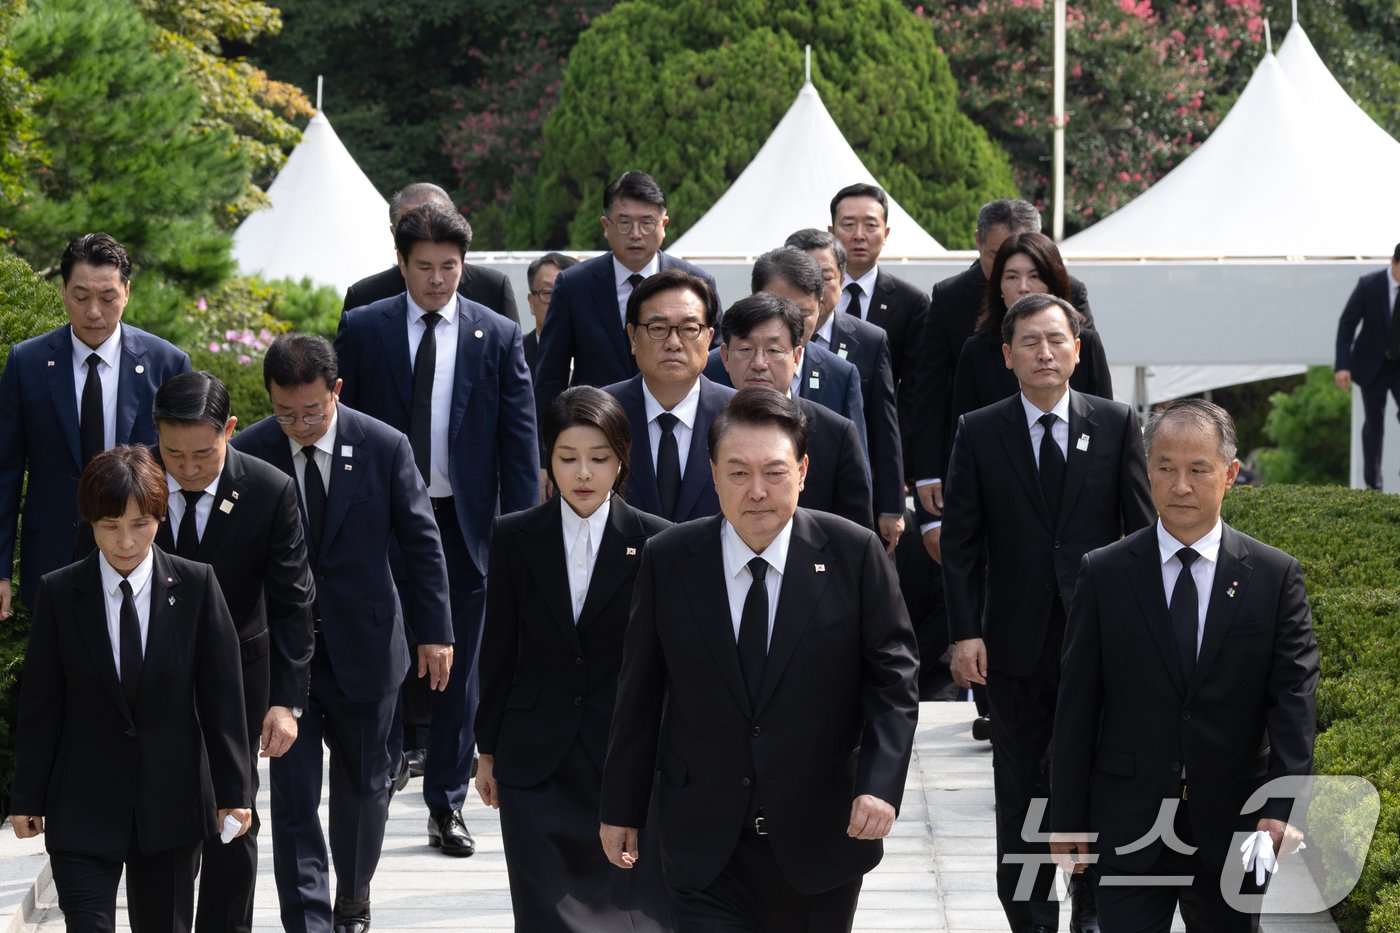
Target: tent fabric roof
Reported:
point(327, 221)
point(788, 186)
point(1289, 172)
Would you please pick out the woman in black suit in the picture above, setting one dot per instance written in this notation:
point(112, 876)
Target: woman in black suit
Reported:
point(131, 683)
point(1026, 263)
point(558, 594)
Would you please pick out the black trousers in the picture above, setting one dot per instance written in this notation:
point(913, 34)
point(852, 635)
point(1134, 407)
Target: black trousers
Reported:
point(1140, 902)
point(752, 896)
point(1373, 396)
point(1023, 719)
point(159, 889)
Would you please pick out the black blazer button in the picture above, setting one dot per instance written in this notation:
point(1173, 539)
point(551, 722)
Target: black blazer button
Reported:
point(578, 701)
point(1176, 767)
point(1185, 715)
point(131, 733)
point(578, 660)
point(756, 731)
point(744, 782)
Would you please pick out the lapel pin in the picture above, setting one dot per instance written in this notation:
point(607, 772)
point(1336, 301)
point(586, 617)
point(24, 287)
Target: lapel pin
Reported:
point(226, 506)
point(349, 467)
point(169, 579)
point(819, 568)
point(140, 369)
point(170, 600)
point(479, 334)
point(1083, 443)
point(50, 362)
point(234, 494)
point(631, 552)
point(883, 306)
point(346, 450)
point(814, 381)
point(843, 352)
point(1231, 591)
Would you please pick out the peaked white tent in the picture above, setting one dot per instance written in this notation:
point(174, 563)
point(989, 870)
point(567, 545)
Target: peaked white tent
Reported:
point(788, 186)
point(326, 221)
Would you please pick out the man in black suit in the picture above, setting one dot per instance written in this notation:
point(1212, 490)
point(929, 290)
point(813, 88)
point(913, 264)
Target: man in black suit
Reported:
point(1036, 481)
point(770, 670)
point(761, 347)
point(1371, 359)
point(541, 275)
point(860, 216)
point(588, 313)
point(239, 515)
point(1183, 707)
point(670, 405)
point(480, 284)
point(361, 495)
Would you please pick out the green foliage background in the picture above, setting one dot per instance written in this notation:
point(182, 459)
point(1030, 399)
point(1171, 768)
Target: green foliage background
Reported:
point(1311, 427)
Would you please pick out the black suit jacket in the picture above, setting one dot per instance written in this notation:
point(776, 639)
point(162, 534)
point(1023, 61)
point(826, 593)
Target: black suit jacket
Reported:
point(952, 318)
point(835, 715)
point(96, 769)
point(900, 309)
point(1368, 306)
point(866, 347)
point(994, 506)
point(376, 498)
point(838, 479)
point(698, 497)
point(546, 681)
point(584, 326)
point(983, 377)
point(480, 284)
point(531, 345)
point(1127, 720)
point(254, 542)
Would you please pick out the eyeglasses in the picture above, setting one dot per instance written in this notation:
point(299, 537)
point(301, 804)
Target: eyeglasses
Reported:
point(624, 225)
point(771, 354)
point(688, 331)
point(311, 420)
point(543, 294)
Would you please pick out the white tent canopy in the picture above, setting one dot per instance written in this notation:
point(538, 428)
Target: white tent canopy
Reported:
point(788, 186)
point(327, 221)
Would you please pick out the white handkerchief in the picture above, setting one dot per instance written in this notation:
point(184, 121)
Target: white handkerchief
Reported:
point(231, 826)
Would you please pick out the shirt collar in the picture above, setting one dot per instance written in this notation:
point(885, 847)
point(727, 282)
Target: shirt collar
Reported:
point(827, 331)
point(574, 522)
point(110, 350)
point(172, 484)
point(1061, 409)
point(326, 444)
point(621, 273)
point(138, 578)
point(415, 313)
point(1208, 545)
point(686, 409)
point(1390, 278)
point(737, 554)
point(866, 282)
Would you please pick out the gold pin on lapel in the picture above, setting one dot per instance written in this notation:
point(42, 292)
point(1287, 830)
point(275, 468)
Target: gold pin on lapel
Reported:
point(1231, 591)
point(819, 568)
point(631, 552)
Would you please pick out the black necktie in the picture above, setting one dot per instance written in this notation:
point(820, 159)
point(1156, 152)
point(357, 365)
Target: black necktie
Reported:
point(668, 466)
point(314, 494)
point(420, 425)
point(130, 646)
point(1052, 467)
point(1185, 609)
point(188, 541)
point(753, 629)
point(90, 428)
point(635, 279)
point(853, 307)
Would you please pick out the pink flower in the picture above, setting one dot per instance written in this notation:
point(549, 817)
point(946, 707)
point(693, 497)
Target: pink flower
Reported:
point(244, 359)
point(213, 346)
point(1124, 176)
point(230, 335)
point(202, 304)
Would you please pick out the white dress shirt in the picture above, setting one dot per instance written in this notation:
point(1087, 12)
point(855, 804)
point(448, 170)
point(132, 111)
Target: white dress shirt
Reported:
point(325, 456)
point(1060, 432)
point(203, 506)
point(624, 288)
point(826, 331)
point(140, 580)
point(867, 289)
point(1202, 569)
point(108, 371)
point(581, 568)
point(738, 577)
point(687, 410)
point(444, 374)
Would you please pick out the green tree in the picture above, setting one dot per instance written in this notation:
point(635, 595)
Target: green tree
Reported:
point(128, 156)
point(689, 92)
point(1311, 427)
point(19, 152)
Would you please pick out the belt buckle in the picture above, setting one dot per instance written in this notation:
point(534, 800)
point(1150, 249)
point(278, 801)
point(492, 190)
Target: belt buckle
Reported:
point(759, 826)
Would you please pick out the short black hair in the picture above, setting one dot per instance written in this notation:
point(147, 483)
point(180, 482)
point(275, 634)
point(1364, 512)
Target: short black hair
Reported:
point(95, 249)
point(862, 190)
point(1396, 256)
point(668, 280)
point(747, 313)
point(1034, 303)
point(760, 406)
point(587, 406)
point(118, 475)
point(811, 240)
point(192, 398)
point(635, 186)
point(557, 260)
point(432, 223)
point(787, 264)
point(300, 359)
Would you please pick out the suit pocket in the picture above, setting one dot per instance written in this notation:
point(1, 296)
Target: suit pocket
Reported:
point(1249, 628)
point(674, 771)
point(1115, 762)
point(522, 696)
point(255, 647)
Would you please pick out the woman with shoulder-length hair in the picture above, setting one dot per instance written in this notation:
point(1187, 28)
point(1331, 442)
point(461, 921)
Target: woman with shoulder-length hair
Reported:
point(1027, 263)
point(131, 683)
point(557, 598)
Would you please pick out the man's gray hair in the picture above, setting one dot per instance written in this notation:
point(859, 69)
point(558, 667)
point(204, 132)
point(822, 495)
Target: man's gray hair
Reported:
point(416, 195)
point(1200, 415)
point(1014, 214)
point(811, 240)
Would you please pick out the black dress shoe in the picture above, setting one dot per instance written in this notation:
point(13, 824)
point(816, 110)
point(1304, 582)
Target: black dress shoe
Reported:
point(982, 728)
point(447, 832)
point(415, 757)
point(1084, 907)
point(351, 917)
point(400, 777)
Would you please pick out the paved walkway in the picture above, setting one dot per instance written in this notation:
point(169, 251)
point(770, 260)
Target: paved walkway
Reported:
point(936, 876)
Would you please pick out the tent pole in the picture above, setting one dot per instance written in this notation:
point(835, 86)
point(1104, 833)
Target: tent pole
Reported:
point(1058, 221)
point(318, 93)
point(1140, 391)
